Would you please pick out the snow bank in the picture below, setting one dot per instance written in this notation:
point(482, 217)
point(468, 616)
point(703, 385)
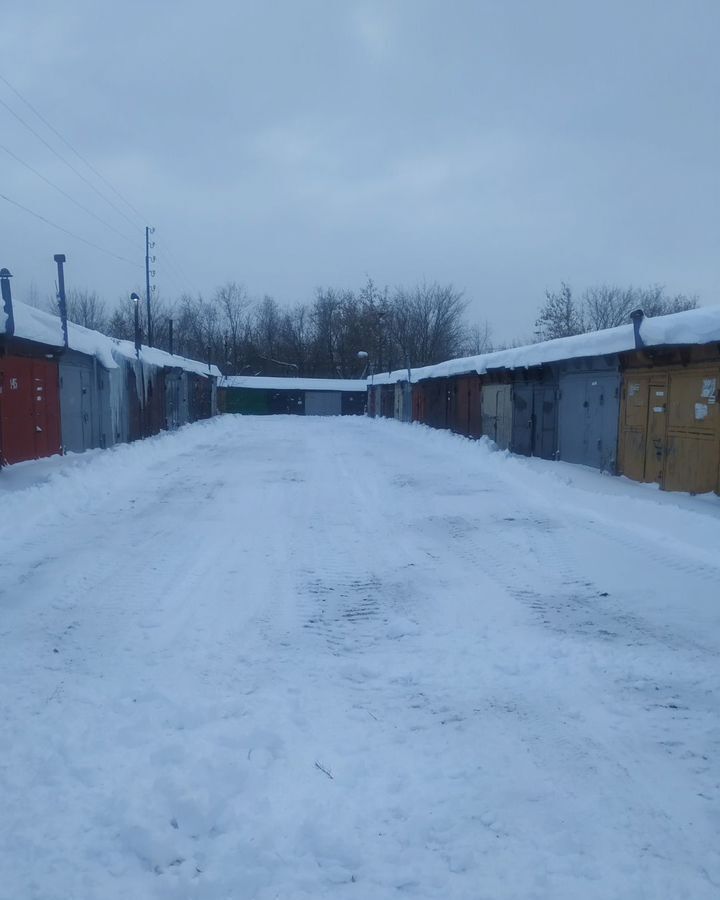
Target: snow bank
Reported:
point(292, 384)
point(33, 324)
point(695, 326)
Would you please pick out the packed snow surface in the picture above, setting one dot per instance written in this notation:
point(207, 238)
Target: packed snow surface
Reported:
point(299, 658)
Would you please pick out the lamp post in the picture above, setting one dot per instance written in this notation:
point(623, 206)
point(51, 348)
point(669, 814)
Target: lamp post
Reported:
point(136, 300)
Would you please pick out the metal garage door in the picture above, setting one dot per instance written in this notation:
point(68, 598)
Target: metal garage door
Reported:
point(497, 413)
point(323, 403)
point(589, 410)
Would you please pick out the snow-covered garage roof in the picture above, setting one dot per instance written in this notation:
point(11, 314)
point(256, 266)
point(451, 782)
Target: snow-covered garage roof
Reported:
point(33, 324)
point(694, 326)
point(259, 382)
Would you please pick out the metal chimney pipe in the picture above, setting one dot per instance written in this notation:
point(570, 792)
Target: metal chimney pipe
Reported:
point(5, 277)
point(62, 301)
point(636, 317)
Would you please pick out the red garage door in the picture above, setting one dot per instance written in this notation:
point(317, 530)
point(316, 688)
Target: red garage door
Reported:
point(29, 409)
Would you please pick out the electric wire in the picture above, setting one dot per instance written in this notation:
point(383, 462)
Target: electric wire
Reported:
point(68, 196)
point(67, 231)
point(70, 147)
point(68, 164)
point(174, 277)
point(170, 257)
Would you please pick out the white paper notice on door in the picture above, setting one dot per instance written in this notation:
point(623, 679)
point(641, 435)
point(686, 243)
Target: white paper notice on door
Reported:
point(701, 411)
point(709, 389)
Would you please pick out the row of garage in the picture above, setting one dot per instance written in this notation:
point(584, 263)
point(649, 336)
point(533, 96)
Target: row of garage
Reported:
point(74, 393)
point(638, 401)
point(261, 396)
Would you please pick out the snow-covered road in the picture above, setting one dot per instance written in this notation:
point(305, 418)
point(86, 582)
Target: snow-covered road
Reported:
point(287, 657)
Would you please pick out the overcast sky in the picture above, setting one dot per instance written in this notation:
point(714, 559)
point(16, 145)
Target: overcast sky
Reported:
point(501, 145)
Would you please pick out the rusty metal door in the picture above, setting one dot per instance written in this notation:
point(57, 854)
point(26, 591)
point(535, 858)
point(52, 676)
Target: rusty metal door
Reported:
point(418, 403)
point(459, 408)
point(29, 409)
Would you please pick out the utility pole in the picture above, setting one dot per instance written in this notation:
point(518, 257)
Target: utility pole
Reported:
point(148, 272)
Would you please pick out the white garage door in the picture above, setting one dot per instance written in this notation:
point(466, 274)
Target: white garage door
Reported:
point(322, 403)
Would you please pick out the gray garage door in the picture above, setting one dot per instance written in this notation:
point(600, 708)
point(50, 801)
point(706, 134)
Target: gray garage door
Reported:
point(323, 403)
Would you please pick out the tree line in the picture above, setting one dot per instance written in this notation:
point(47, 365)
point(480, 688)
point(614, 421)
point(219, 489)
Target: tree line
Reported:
point(348, 333)
point(416, 326)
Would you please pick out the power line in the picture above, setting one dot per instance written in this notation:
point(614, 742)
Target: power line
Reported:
point(69, 196)
point(170, 256)
point(179, 269)
point(175, 277)
point(68, 164)
point(67, 231)
point(70, 146)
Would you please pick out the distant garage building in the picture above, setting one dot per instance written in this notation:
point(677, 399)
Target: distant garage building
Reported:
point(260, 396)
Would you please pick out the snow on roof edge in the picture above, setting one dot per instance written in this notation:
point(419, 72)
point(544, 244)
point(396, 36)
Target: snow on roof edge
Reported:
point(693, 326)
point(33, 324)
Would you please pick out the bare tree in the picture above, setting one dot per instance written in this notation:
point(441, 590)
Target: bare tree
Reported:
point(559, 316)
point(606, 306)
point(121, 323)
point(83, 308)
point(428, 324)
point(478, 339)
point(234, 304)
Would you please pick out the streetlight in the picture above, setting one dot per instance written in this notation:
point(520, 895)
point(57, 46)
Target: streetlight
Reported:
point(136, 300)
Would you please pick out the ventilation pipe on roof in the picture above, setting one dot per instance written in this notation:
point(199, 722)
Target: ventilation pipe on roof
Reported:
point(636, 317)
point(5, 277)
point(62, 301)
